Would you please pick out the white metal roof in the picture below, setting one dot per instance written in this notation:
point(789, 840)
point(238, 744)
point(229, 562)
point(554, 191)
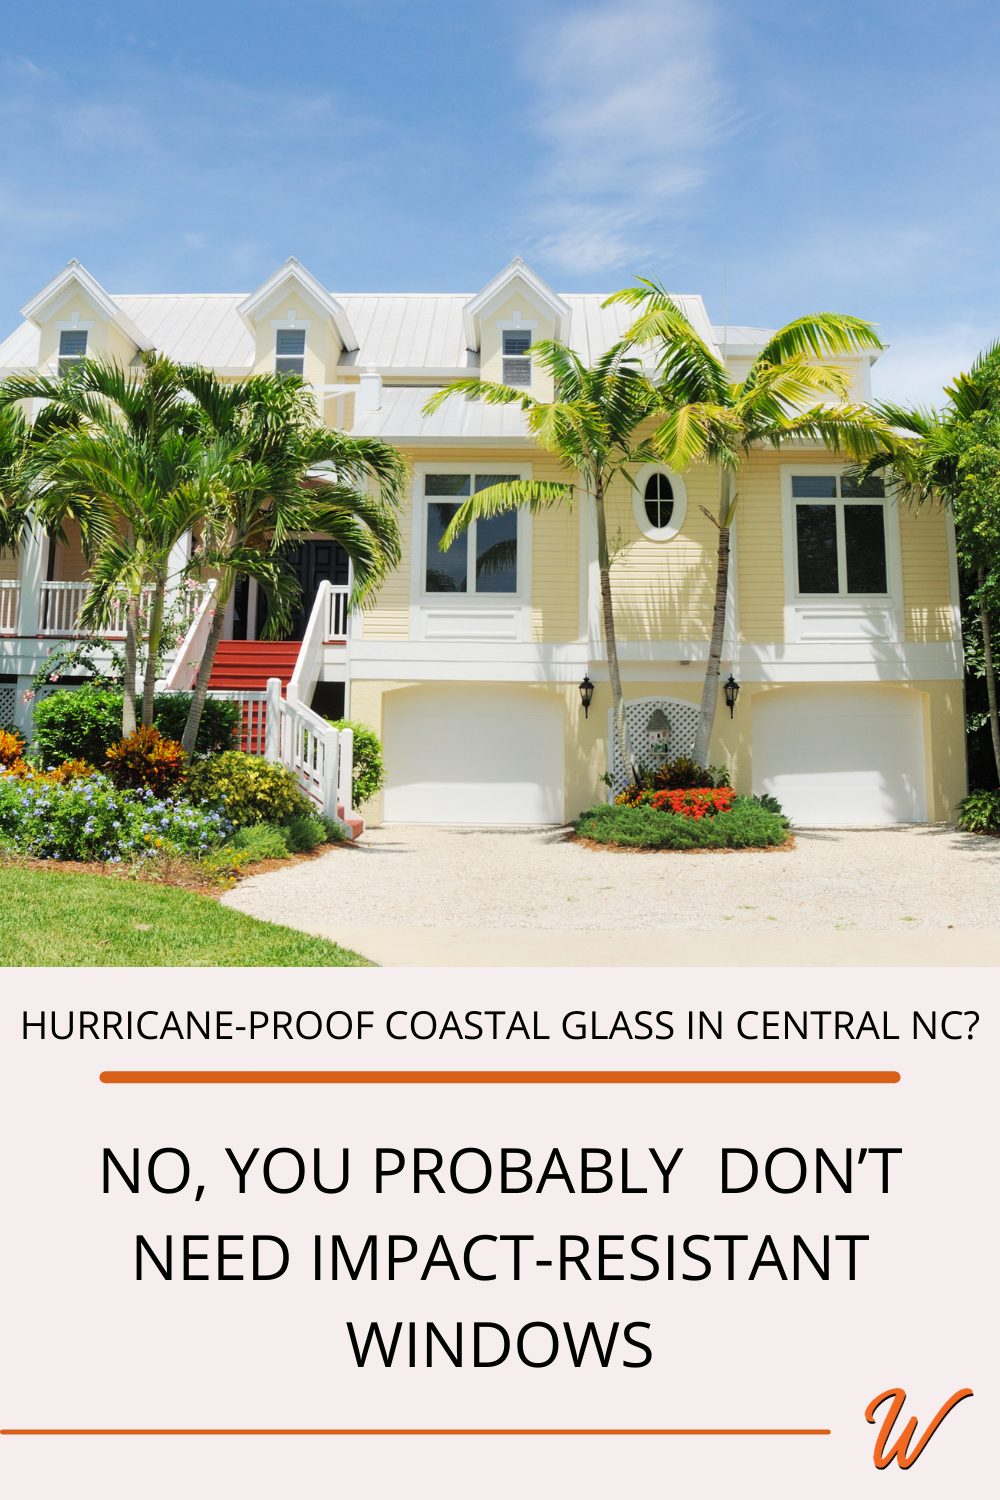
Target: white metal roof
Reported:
point(400, 417)
point(396, 331)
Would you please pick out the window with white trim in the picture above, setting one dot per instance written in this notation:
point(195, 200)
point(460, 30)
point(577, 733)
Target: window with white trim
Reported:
point(516, 360)
point(840, 535)
point(290, 351)
point(659, 500)
point(481, 561)
point(72, 348)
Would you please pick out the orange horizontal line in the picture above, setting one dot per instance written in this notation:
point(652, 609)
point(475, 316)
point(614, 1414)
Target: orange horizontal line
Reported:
point(436, 1076)
point(415, 1432)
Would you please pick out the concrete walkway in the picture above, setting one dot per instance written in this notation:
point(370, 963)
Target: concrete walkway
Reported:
point(494, 897)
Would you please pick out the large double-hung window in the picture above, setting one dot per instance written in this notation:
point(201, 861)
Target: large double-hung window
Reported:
point(840, 535)
point(484, 560)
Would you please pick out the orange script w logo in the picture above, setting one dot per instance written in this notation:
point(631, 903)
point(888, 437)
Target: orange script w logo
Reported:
point(900, 1450)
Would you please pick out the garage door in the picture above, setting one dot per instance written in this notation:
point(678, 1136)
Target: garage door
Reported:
point(474, 755)
point(840, 755)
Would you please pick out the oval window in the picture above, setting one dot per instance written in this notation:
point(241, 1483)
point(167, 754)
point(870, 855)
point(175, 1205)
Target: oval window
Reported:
point(659, 500)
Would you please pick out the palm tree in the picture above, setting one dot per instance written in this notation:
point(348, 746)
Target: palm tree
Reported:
point(113, 451)
point(15, 487)
point(288, 478)
point(789, 393)
point(591, 426)
point(952, 456)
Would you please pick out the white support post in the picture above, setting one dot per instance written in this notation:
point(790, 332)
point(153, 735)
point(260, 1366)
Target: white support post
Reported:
point(345, 784)
point(272, 727)
point(34, 558)
point(331, 763)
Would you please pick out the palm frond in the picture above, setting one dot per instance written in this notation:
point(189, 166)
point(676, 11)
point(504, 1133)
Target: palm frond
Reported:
point(530, 494)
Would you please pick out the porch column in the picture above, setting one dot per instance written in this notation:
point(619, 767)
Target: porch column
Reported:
point(34, 561)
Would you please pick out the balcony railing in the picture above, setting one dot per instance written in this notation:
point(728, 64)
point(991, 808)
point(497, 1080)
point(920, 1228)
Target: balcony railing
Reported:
point(10, 598)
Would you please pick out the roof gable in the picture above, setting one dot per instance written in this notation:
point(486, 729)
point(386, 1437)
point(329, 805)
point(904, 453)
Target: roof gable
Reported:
point(495, 291)
point(293, 273)
point(75, 275)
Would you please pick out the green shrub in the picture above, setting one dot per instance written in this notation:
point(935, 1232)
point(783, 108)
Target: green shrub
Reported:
point(92, 820)
point(145, 759)
point(261, 841)
point(769, 804)
point(747, 825)
point(979, 812)
point(335, 831)
point(304, 833)
point(369, 767)
point(81, 723)
point(247, 789)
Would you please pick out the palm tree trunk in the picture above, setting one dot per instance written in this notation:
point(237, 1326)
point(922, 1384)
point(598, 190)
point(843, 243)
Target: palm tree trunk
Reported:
point(129, 668)
point(190, 737)
point(153, 647)
point(710, 688)
point(610, 639)
point(990, 673)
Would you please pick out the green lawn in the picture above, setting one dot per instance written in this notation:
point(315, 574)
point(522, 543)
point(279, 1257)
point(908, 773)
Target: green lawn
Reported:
point(62, 918)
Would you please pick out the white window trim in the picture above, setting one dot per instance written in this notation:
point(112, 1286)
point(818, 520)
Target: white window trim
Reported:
point(841, 606)
point(71, 359)
point(517, 324)
point(659, 533)
point(471, 599)
point(291, 326)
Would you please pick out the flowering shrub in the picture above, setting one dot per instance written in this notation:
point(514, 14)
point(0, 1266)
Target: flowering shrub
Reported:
point(91, 819)
point(686, 802)
point(743, 824)
point(680, 773)
point(11, 747)
point(247, 789)
point(145, 759)
point(695, 802)
point(70, 770)
point(85, 720)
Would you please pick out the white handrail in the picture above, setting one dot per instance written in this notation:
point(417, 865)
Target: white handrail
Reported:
point(183, 673)
point(309, 663)
point(320, 757)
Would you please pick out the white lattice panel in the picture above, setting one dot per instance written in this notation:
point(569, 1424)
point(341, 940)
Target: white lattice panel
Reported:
point(8, 704)
point(652, 724)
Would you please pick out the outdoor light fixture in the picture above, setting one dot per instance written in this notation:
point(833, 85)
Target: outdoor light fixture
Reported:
point(586, 694)
point(731, 688)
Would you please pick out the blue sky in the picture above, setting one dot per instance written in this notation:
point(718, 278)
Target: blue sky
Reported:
point(806, 155)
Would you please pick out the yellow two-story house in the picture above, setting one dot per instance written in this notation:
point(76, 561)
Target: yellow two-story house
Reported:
point(843, 627)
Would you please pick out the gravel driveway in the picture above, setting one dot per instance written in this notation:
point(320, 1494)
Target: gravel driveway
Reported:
point(515, 880)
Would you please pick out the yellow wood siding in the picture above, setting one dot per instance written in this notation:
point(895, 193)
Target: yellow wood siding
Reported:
point(663, 590)
point(923, 541)
point(759, 550)
point(10, 566)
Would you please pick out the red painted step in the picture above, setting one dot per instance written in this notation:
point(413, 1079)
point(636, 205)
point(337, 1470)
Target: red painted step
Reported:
point(355, 824)
point(247, 665)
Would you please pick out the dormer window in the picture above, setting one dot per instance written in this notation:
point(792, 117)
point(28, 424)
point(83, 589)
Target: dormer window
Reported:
point(516, 360)
point(290, 351)
point(72, 348)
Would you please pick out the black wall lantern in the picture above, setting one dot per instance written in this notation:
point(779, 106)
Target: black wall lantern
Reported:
point(586, 694)
point(731, 688)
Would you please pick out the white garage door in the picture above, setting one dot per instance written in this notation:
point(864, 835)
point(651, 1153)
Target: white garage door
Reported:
point(841, 755)
point(475, 755)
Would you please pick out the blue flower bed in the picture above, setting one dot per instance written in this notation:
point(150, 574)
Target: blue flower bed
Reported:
point(90, 819)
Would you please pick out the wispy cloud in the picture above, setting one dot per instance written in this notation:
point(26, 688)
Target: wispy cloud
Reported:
point(627, 104)
point(920, 362)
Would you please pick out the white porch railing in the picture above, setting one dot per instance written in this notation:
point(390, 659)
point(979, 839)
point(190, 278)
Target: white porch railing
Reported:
point(182, 675)
point(10, 600)
point(59, 606)
point(337, 613)
point(320, 757)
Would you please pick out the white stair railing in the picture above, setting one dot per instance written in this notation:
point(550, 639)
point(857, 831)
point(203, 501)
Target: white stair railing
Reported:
point(320, 757)
point(184, 672)
point(309, 663)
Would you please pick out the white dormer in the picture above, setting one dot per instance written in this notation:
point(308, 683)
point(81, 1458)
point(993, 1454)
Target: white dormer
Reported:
point(516, 279)
point(75, 316)
point(298, 327)
point(513, 311)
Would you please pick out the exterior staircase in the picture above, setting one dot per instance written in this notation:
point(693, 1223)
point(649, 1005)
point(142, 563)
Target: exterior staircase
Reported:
point(245, 666)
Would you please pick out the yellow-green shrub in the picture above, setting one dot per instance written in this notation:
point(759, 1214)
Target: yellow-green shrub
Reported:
point(247, 789)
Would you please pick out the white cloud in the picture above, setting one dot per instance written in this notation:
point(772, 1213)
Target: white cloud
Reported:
point(626, 104)
point(921, 362)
